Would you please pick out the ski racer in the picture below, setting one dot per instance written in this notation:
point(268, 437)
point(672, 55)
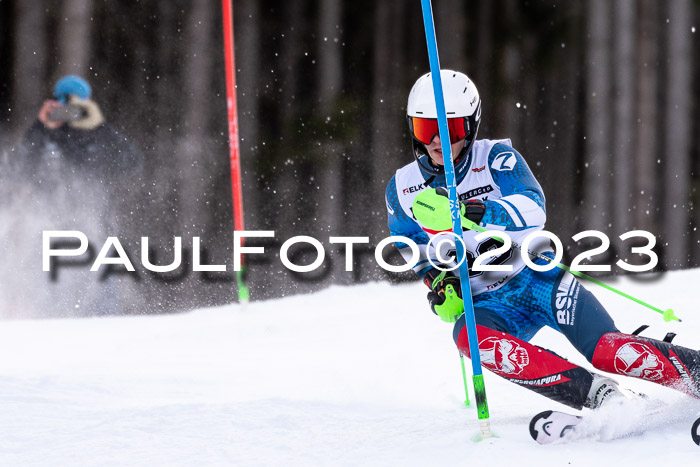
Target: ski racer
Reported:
point(498, 191)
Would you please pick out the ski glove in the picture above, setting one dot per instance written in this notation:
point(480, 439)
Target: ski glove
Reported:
point(432, 209)
point(93, 115)
point(474, 210)
point(445, 296)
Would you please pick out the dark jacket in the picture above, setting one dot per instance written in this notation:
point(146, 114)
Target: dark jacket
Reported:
point(80, 177)
point(101, 154)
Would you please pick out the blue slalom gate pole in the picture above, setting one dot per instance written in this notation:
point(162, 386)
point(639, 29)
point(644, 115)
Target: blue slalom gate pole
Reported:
point(477, 374)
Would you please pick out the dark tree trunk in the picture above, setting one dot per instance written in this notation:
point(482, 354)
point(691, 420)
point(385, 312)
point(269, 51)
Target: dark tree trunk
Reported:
point(646, 152)
point(29, 82)
point(74, 40)
point(597, 167)
point(623, 129)
point(677, 145)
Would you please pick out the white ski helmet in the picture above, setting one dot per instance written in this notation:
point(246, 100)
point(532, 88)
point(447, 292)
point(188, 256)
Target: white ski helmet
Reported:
point(463, 108)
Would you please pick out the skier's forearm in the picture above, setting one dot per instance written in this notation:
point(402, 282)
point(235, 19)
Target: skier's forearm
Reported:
point(517, 211)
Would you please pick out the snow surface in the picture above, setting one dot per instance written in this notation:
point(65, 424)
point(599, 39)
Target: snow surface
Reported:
point(361, 375)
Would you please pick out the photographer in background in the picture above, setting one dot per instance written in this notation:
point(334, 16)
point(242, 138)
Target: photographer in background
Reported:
point(71, 135)
point(71, 171)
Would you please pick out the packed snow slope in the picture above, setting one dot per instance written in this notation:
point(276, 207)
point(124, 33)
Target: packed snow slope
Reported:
point(362, 375)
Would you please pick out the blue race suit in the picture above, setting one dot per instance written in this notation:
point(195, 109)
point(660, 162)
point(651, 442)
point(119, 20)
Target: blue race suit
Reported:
point(519, 301)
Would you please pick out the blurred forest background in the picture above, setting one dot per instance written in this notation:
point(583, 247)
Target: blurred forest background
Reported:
point(601, 98)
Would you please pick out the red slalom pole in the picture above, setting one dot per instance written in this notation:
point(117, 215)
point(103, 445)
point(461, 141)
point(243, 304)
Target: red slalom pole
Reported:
point(234, 150)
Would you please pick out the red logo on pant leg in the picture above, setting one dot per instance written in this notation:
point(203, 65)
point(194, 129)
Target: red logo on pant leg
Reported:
point(503, 355)
point(638, 360)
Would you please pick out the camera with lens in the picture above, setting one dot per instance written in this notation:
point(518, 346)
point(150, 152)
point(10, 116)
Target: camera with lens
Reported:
point(68, 113)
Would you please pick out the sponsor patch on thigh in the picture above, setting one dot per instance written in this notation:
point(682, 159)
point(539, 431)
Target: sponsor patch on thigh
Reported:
point(565, 300)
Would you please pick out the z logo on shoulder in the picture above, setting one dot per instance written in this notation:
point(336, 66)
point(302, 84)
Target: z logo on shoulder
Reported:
point(504, 161)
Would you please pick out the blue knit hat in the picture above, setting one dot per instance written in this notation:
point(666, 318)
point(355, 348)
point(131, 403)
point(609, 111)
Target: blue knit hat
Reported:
point(71, 85)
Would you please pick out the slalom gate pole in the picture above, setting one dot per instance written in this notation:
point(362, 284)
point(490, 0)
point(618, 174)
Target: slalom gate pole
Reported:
point(450, 179)
point(234, 149)
point(668, 314)
point(464, 380)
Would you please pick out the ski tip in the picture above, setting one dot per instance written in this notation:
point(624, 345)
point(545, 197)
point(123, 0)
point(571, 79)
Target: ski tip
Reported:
point(551, 426)
point(535, 419)
point(695, 432)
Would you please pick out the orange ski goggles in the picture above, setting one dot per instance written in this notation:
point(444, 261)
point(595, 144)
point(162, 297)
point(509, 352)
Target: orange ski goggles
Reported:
point(425, 129)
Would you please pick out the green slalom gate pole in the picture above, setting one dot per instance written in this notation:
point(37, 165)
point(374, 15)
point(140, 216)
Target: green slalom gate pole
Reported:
point(450, 179)
point(243, 292)
point(464, 380)
point(667, 314)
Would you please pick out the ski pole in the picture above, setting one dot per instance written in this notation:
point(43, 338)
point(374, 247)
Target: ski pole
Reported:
point(450, 179)
point(667, 314)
